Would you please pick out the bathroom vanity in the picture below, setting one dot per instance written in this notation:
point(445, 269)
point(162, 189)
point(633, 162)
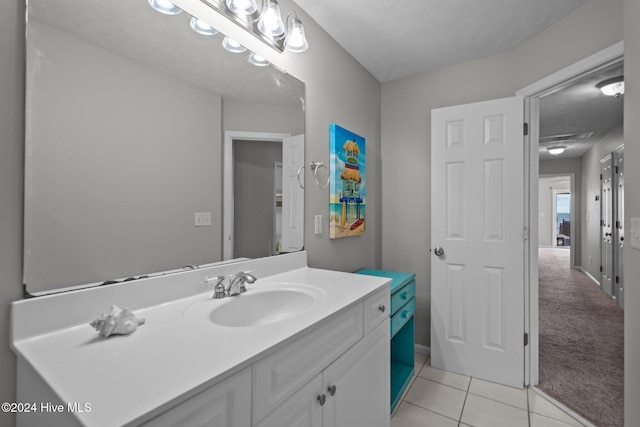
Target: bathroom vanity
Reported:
point(302, 346)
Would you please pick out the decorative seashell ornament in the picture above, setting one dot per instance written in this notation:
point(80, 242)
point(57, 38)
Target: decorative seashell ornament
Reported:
point(120, 321)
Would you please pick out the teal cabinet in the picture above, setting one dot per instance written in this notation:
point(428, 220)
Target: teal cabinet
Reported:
point(403, 307)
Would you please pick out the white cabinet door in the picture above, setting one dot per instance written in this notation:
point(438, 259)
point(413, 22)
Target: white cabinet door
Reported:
point(224, 405)
point(303, 409)
point(357, 384)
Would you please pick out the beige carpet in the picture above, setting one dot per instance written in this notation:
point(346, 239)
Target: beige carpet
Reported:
point(581, 341)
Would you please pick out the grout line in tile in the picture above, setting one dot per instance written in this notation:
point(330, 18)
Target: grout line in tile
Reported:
point(429, 410)
point(500, 401)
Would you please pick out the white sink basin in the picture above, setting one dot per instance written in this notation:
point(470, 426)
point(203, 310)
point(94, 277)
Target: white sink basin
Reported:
point(259, 306)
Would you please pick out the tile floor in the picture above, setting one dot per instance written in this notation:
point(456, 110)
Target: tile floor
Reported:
point(438, 398)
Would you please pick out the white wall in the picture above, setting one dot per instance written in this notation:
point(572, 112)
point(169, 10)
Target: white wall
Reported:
point(632, 209)
point(406, 128)
point(590, 207)
point(115, 193)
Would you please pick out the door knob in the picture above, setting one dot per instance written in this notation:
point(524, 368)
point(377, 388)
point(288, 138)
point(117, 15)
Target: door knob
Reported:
point(438, 251)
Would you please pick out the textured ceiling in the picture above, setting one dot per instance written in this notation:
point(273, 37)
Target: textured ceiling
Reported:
point(580, 108)
point(399, 38)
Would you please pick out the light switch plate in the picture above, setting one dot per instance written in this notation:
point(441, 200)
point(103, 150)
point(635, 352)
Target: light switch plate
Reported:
point(635, 233)
point(318, 224)
point(202, 219)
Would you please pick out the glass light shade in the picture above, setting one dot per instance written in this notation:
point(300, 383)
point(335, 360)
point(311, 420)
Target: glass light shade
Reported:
point(233, 46)
point(556, 150)
point(165, 6)
point(242, 7)
point(613, 89)
point(296, 40)
point(199, 26)
point(270, 23)
point(258, 60)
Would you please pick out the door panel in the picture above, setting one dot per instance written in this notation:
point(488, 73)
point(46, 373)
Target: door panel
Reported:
point(606, 225)
point(477, 214)
point(619, 229)
point(292, 194)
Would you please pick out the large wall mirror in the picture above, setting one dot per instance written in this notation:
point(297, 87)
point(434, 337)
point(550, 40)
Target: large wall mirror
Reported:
point(126, 115)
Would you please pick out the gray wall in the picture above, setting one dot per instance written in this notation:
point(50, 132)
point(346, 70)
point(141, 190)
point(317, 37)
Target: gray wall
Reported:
point(406, 127)
point(632, 209)
point(251, 117)
point(590, 207)
point(112, 179)
point(11, 184)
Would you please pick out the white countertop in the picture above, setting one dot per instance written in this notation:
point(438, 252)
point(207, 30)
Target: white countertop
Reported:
point(126, 378)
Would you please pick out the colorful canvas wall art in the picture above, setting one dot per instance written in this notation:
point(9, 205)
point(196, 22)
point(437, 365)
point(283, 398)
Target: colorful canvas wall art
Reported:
point(347, 191)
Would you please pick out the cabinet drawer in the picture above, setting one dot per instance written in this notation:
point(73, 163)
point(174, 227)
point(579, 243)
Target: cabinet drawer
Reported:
point(403, 295)
point(280, 374)
point(402, 316)
point(224, 405)
point(376, 308)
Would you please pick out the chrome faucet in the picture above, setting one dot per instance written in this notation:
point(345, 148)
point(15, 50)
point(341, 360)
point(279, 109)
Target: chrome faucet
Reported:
point(237, 284)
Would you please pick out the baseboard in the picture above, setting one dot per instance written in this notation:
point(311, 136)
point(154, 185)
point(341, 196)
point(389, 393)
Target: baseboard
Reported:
point(422, 349)
point(597, 282)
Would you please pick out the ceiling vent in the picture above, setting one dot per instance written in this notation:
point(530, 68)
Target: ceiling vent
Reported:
point(570, 137)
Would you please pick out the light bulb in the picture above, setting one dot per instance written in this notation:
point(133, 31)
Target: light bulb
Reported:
point(165, 6)
point(242, 7)
point(258, 60)
point(201, 27)
point(296, 40)
point(233, 46)
point(270, 23)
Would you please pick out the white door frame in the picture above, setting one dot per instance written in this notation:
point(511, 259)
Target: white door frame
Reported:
point(227, 180)
point(532, 95)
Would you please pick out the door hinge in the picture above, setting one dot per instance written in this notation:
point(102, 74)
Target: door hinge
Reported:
point(617, 279)
point(526, 339)
point(616, 168)
point(602, 223)
point(525, 234)
point(600, 269)
point(618, 224)
point(526, 129)
point(600, 177)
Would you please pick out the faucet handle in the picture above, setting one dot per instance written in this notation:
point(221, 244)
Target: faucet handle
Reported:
point(218, 290)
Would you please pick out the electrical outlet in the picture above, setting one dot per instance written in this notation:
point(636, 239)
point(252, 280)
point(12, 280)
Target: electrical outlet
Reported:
point(202, 219)
point(318, 228)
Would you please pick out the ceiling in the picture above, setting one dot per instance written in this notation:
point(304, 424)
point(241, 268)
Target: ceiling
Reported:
point(394, 39)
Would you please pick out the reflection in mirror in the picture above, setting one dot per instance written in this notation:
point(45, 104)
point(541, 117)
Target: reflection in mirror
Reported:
point(125, 114)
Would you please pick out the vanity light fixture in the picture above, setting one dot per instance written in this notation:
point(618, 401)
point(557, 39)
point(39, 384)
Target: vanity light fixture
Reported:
point(201, 27)
point(232, 46)
point(612, 87)
point(258, 60)
point(556, 150)
point(266, 25)
point(165, 6)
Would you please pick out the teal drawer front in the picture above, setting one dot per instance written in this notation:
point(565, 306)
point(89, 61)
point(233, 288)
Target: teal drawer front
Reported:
point(402, 316)
point(401, 297)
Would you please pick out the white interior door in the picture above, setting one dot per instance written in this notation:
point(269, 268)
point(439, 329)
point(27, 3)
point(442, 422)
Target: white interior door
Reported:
point(619, 231)
point(477, 220)
point(606, 225)
point(292, 194)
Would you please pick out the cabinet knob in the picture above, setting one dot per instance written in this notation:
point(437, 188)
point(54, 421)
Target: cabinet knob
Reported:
point(332, 390)
point(382, 308)
point(322, 399)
